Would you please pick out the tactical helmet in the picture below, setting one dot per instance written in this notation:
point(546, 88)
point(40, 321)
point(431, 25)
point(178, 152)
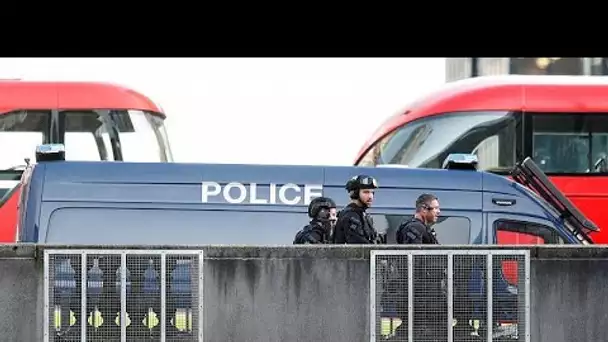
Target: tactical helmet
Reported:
point(316, 205)
point(360, 182)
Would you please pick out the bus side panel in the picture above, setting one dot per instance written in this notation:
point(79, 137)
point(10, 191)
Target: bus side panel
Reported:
point(590, 196)
point(8, 217)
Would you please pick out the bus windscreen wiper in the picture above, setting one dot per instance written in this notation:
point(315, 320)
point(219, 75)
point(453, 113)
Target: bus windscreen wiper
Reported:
point(529, 174)
point(111, 128)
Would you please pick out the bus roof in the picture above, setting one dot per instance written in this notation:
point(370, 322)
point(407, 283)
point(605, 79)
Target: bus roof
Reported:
point(533, 93)
point(16, 95)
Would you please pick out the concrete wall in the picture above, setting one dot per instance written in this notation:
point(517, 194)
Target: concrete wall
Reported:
point(21, 298)
point(321, 294)
point(569, 294)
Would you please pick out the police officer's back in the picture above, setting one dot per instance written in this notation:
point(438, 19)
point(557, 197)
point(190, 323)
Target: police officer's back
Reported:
point(322, 211)
point(355, 225)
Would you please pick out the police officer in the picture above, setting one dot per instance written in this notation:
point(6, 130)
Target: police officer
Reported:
point(355, 225)
point(430, 301)
point(418, 229)
point(322, 211)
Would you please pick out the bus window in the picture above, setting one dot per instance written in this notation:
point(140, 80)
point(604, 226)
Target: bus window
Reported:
point(427, 142)
point(546, 66)
point(567, 143)
point(89, 147)
point(128, 135)
point(120, 135)
point(20, 133)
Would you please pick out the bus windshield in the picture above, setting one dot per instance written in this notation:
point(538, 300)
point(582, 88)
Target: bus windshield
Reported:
point(93, 135)
point(560, 143)
point(427, 142)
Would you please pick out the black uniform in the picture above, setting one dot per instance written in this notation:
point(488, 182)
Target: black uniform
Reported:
point(319, 228)
point(414, 231)
point(355, 226)
point(430, 301)
point(433, 297)
point(312, 233)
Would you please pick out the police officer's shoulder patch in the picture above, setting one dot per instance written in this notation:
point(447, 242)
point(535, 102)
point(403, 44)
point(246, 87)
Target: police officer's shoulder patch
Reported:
point(354, 219)
point(355, 224)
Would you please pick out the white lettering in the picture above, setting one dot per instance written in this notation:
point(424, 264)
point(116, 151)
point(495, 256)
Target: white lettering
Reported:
point(311, 192)
point(242, 193)
point(205, 193)
point(273, 193)
point(236, 193)
point(253, 195)
point(284, 189)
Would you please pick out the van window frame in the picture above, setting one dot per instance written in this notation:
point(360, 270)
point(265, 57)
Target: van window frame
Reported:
point(495, 219)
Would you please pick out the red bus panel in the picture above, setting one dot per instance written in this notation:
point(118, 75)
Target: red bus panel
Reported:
point(571, 113)
point(106, 121)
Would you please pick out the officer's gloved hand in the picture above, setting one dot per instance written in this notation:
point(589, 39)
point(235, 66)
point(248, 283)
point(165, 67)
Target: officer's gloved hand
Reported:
point(381, 238)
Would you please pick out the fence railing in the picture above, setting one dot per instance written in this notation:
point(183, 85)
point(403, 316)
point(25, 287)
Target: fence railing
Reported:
point(450, 295)
point(415, 295)
point(123, 295)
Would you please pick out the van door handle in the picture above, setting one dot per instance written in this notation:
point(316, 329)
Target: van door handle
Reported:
point(503, 202)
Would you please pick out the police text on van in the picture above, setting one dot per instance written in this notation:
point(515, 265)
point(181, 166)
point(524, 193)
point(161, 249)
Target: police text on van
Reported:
point(252, 193)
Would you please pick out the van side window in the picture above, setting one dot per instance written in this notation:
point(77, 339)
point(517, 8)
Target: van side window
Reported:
point(173, 226)
point(524, 233)
point(451, 230)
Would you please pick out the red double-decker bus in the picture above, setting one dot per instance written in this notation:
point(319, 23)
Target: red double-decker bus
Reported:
point(560, 121)
point(94, 121)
